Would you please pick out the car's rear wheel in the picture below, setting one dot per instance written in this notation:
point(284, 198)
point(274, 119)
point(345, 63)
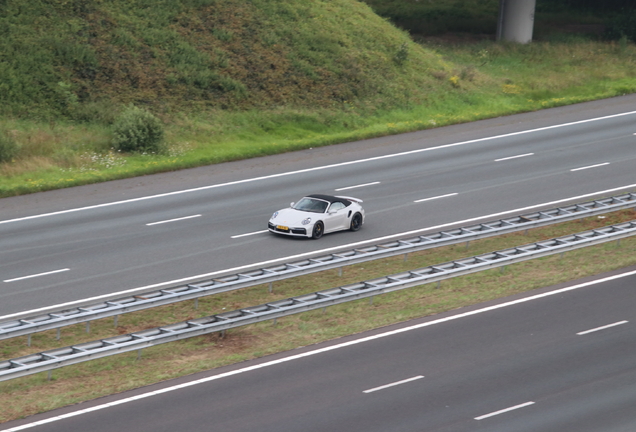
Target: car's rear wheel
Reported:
point(318, 231)
point(356, 222)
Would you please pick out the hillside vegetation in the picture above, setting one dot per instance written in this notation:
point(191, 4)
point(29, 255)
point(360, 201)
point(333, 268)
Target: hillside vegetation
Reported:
point(230, 79)
point(78, 58)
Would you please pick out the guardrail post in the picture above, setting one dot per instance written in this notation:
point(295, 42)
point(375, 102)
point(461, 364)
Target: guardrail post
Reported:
point(48, 376)
point(29, 340)
point(339, 271)
point(196, 303)
point(270, 288)
point(138, 354)
point(370, 300)
point(406, 256)
point(115, 319)
point(59, 329)
point(88, 326)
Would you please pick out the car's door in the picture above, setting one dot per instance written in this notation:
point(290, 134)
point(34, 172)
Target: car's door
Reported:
point(336, 217)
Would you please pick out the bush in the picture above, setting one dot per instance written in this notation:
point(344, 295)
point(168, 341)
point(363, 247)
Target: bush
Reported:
point(623, 26)
point(137, 131)
point(8, 147)
point(401, 55)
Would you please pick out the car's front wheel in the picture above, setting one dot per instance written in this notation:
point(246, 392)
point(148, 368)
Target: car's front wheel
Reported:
point(318, 231)
point(356, 222)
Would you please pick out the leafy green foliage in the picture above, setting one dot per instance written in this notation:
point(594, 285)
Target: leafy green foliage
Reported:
point(401, 55)
point(137, 131)
point(479, 17)
point(437, 17)
point(8, 146)
point(623, 26)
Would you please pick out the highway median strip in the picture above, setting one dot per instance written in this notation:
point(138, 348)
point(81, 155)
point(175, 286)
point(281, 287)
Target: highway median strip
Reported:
point(53, 359)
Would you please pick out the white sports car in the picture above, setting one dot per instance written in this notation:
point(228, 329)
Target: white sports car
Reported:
point(315, 215)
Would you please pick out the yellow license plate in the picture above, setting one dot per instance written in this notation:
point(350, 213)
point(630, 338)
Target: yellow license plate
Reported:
point(281, 227)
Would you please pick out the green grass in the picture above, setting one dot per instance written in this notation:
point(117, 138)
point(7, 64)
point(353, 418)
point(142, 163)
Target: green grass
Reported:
point(233, 80)
point(73, 384)
point(65, 155)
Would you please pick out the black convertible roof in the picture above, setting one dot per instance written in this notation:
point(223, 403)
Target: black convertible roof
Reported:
point(330, 198)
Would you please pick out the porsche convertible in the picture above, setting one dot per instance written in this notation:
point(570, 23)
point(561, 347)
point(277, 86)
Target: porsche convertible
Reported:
point(315, 215)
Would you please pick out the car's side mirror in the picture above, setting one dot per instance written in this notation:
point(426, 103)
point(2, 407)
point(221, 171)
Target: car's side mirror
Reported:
point(292, 204)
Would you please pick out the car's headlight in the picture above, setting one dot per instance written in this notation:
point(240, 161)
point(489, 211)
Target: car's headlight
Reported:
point(306, 221)
point(274, 215)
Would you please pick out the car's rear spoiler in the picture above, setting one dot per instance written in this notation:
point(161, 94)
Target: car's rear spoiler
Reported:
point(358, 200)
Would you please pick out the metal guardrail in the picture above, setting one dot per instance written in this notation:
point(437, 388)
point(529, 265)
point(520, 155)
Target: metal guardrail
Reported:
point(33, 324)
point(136, 341)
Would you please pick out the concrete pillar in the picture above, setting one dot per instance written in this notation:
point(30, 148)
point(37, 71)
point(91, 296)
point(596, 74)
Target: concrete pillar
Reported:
point(516, 20)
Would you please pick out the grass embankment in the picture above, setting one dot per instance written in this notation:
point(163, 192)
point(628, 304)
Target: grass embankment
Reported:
point(238, 79)
point(72, 384)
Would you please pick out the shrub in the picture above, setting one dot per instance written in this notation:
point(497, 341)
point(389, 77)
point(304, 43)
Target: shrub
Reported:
point(401, 55)
point(8, 147)
point(623, 26)
point(137, 131)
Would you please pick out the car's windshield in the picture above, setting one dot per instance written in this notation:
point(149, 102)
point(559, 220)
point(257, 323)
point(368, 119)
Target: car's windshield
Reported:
point(311, 205)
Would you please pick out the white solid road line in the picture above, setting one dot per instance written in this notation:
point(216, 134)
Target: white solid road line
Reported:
point(311, 253)
point(318, 168)
point(514, 157)
point(357, 186)
point(437, 197)
point(173, 220)
point(393, 384)
point(249, 234)
point(319, 351)
point(602, 328)
point(591, 166)
point(36, 275)
point(504, 410)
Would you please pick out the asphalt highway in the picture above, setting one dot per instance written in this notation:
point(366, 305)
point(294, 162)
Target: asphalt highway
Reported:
point(558, 359)
point(60, 248)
